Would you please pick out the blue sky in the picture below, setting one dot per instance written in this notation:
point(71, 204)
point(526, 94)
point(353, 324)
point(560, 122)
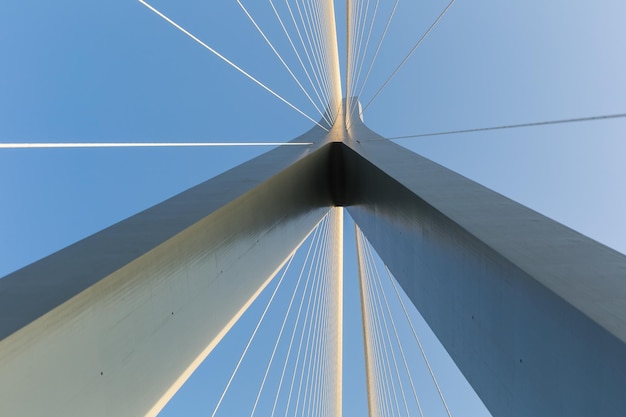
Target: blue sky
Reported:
point(109, 71)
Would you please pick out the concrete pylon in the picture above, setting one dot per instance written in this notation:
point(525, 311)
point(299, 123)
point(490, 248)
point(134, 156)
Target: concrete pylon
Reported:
point(533, 313)
point(114, 324)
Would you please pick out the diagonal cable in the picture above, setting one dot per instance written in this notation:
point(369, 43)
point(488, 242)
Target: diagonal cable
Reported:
point(397, 337)
point(349, 51)
point(360, 50)
point(309, 32)
point(380, 44)
point(325, 40)
point(379, 395)
point(379, 284)
point(314, 404)
point(503, 127)
point(229, 62)
point(245, 351)
point(388, 349)
point(319, 338)
point(258, 28)
point(304, 327)
point(366, 47)
point(310, 329)
point(393, 74)
point(295, 50)
point(311, 22)
point(386, 341)
point(306, 52)
point(419, 343)
point(378, 47)
point(282, 327)
point(328, 16)
point(298, 315)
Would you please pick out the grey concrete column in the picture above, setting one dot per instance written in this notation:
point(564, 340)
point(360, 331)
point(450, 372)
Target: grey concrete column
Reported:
point(114, 324)
point(533, 313)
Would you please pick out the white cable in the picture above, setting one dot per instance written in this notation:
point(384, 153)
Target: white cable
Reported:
point(223, 58)
point(304, 326)
point(282, 327)
point(308, 319)
point(352, 30)
point(359, 45)
point(387, 383)
point(395, 331)
point(393, 74)
point(360, 18)
point(349, 52)
point(295, 50)
point(306, 51)
point(319, 339)
point(380, 43)
point(57, 145)
point(328, 15)
point(309, 32)
point(366, 47)
point(258, 28)
point(316, 13)
point(323, 374)
point(232, 376)
point(297, 321)
point(378, 47)
point(372, 399)
point(322, 331)
point(380, 290)
point(419, 343)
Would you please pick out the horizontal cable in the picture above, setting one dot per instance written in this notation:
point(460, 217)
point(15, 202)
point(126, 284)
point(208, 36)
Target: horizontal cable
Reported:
point(229, 62)
point(144, 144)
point(516, 126)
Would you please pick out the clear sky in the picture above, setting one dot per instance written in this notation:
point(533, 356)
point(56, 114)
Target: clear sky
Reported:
point(113, 71)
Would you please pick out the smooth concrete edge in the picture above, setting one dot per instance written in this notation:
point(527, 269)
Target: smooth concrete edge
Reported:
point(525, 348)
point(89, 327)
